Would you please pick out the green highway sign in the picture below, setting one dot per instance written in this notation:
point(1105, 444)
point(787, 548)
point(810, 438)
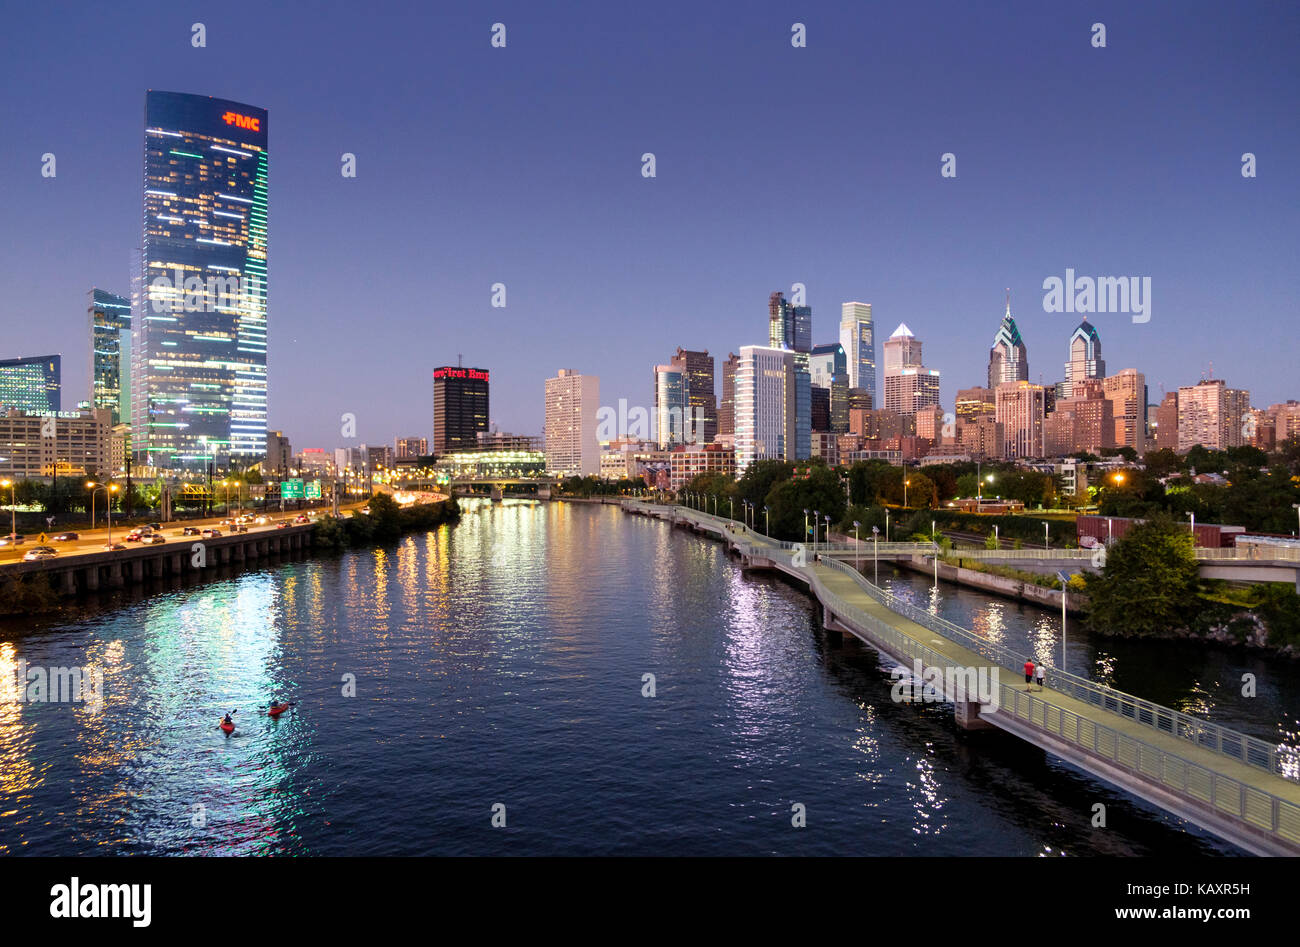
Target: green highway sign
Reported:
point(313, 490)
point(292, 490)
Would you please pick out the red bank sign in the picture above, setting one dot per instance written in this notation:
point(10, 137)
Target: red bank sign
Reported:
point(460, 373)
point(242, 121)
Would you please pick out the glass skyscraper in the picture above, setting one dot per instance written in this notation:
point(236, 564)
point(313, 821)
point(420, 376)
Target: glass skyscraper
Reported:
point(198, 375)
point(110, 353)
point(31, 384)
point(858, 336)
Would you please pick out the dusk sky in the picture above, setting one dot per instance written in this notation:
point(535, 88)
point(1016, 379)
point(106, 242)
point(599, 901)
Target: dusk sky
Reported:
point(775, 165)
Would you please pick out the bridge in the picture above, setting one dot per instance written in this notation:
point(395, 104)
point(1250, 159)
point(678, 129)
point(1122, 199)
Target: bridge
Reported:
point(532, 488)
point(1240, 788)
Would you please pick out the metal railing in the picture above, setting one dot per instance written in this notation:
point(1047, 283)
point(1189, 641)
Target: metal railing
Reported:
point(1225, 795)
point(1279, 759)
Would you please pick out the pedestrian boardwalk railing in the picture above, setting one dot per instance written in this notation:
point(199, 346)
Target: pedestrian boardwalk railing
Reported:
point(1280, 759)
point(1231, 797)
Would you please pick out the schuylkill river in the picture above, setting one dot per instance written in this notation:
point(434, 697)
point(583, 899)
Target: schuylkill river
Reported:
point(501, 662)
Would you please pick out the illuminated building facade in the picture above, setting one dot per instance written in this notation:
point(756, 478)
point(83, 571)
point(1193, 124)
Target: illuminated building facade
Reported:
point(110, 354)
point(199, 327)
point(31, 384)
point(460, 407)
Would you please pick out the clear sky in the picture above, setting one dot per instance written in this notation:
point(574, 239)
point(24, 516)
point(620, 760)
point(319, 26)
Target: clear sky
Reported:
point(775, 165)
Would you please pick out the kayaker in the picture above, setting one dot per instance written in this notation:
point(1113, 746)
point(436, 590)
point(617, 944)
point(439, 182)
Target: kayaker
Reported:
point(228, 720)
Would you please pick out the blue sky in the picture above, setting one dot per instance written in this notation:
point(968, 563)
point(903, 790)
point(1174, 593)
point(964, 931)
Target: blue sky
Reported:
point(775, 165)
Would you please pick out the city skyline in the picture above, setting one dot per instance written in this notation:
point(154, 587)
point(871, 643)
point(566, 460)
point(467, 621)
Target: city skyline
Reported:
point(875, 224)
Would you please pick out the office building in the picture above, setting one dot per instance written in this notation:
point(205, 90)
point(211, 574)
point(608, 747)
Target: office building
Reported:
point(765, 406)
point(727, 407)
point(828, 369)
point(199, 313)
point(973, 403)
point(1085, 358)
point(789, 326)
point(412, 447)
point(31, 384)
point(1021, 409)
point(701, 397)
point(909, 385)
point(1008, 359)
point(1166, 433)
point(688, 461)
point(43, 444)
point(858, 337)
point(672, 406)
point(460, 407)
point(572, 403)
point(279, 456)
point(1085, 424)
point(110, 354)
point(1211, 414)
point(1127, 392)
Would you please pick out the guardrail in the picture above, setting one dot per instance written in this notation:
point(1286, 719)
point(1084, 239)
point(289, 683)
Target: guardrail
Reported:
point(1279, 759)
point(1263, 810)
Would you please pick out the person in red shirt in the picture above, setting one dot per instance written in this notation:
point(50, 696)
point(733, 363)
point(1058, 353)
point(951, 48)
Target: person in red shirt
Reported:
point(1029, 672)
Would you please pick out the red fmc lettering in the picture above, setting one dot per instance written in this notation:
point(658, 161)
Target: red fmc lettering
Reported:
point(242, 121)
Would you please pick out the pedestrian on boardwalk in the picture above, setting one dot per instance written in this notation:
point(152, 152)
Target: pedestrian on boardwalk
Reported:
point(1042, 675)
point(1029, 672)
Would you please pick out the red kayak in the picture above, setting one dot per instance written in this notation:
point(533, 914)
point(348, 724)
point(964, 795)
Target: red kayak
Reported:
point(277, 709)
point(228, 727)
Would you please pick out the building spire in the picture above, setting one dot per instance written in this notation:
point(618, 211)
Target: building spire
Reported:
point(1008, 300)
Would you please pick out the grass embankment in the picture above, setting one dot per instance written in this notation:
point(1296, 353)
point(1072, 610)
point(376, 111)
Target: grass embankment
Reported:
point(385, 522)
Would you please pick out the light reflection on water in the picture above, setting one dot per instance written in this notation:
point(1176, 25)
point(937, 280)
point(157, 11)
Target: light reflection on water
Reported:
point(505, 660)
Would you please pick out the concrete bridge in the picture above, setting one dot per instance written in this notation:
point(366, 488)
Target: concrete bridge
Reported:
point(1240, 788)
point(528, 488)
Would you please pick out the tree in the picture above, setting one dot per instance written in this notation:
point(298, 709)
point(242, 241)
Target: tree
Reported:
point(820, 491)
point(1149, 582)
point(385, 516)
point(759, 479)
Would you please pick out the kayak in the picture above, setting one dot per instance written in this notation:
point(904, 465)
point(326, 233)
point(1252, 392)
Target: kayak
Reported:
point(277, 709)
point(228, 727)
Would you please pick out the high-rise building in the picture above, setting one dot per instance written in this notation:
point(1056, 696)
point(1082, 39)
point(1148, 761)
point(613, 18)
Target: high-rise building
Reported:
point(765, 406)
point(1085, 358)
point(975, 402)
point(460, 407)
point(199, 321)
point(789, 326)
point(828, 368)
point(412, 447)
point(72, 444)
point(1008, 359)
point(279, 456)
point(1166, 436)
point(1021, 409)
point(1211, 414)
point(1079, 425)
point(701, 396)
point(821, 410)
point(858, 336)
point(1127, 392)
point(110, 354)
point(31, 384)
point(909, 385)
point(727, 407)
point(673, 418)
point(572, 404)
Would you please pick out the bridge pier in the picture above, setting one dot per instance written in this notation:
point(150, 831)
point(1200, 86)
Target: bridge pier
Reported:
point(967, 715)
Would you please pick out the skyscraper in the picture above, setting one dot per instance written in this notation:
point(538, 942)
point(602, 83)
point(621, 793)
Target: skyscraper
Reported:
point(790, 327)
point(909, 385)
point(672, 406)
point(858, 336)
point(701, 396)
point(199, 326)
point(1085, 358)
point(1021, 410)
point(828, 368)
point(1008, 359)
point(765, 405)
point(460, 407)
point(572, 406)
point(1127, 393)
point(727, 407)
point(110, 354)
point(31, 384)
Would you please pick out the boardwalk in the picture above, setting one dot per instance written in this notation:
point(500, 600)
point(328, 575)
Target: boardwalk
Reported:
point(1232, 785)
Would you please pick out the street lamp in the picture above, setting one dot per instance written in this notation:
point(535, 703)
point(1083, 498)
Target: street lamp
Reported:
point(1047, 538)
point(875, 551)
point(826, 533)
point(767, 522)
point(1297, 517)
point(857, 566)
point(816, 513)
point(805, 524)
point(109, 489)
point(1193, 516)
point(731, 508)
point(886, 524)
point(906, 484)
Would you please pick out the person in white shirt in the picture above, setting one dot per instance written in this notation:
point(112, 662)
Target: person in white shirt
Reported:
point(1042, 674)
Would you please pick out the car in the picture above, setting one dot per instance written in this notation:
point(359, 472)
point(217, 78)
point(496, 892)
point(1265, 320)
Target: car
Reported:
point(112, 547)
point(190, 531)
point(37, 553)
point(12, 539)
point(66, 537)
point(239, 528)
point(282, 524)
point(138, 534)
point(261, 521)
point(211, 533)
point(155, 526)
point(300, 519)
point(155, 538)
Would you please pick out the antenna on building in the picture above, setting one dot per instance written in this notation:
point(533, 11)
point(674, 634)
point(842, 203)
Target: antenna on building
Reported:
point(460, 360)
point(1008, 299)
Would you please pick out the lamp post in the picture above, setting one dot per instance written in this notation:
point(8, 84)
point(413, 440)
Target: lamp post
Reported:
point(109, 489)
point(767, 522)
point(1297, 517)
point(826, 533)
point(857, 564)
point(1065, 585)
point(816, 513)
point(1047, 538)
point(731, 508)
point(1193, 516)
point(886, 524)
point(805, 524)
point(875, 551)
point(906, 484)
